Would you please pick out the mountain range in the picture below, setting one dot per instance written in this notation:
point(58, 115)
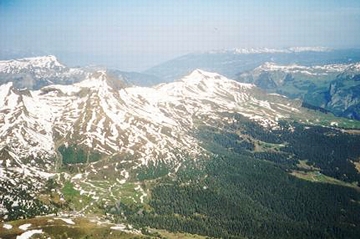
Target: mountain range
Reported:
point(332, 87)
point(232, 62)
point(203, 154)
point(304, 73)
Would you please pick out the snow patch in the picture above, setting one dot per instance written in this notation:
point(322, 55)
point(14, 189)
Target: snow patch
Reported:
point(24, 227)
point(334, 123)
point(77, 176)
point(7, 226)
point(66, 220)
point(29, 234)
point(119, 227)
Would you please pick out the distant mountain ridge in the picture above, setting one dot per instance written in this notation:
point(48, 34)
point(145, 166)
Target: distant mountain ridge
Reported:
point(334, 87)
point(36, 72)
point(310, 81)
point(232, 62)
point(262, 50)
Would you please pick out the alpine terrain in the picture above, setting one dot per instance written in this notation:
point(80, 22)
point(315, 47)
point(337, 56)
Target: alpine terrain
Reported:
point(85, 154)
point(331, 87)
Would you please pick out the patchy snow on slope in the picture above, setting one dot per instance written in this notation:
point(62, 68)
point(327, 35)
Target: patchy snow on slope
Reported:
point(321, 70)
point(119, 227)
point(66, 220)
point(77, 176)
point(138, 188)
point(7, 226)
point(142, 126)
point(24, 227)
point(29, 234)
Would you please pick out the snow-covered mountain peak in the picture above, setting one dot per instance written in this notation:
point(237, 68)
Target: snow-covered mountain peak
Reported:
point(209, 79)
point(25, 131)
point(4, 89)
point(312, 49)
point(199, 75)
point(258, 50)
point(101, 79)
point(354, 67)
point(15, 66)
point(309, 70)
point(11, 97)
point(49, 61)
point(36, 72)
point(203, 85)
point(95, 80)
point(4, 92)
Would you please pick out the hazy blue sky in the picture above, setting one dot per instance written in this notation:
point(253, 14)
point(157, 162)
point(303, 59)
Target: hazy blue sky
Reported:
point(133, 35)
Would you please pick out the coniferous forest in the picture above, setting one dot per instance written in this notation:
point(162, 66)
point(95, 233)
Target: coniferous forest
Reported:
point(246, 189)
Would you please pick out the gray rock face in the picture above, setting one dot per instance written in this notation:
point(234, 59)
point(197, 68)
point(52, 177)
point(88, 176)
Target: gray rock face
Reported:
point(343, 96)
